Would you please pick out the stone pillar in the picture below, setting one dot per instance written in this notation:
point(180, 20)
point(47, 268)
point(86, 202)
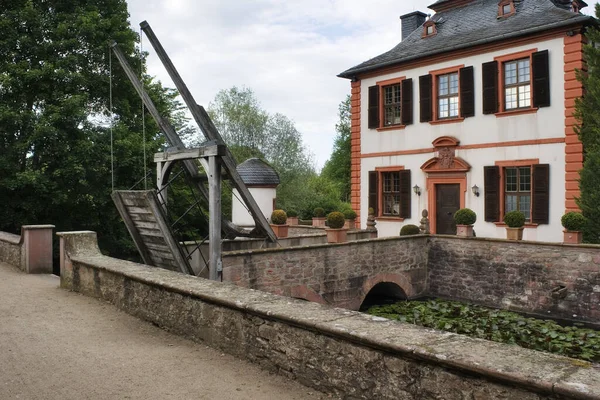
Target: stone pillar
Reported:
point(424, 227)
point(36, 253)
point(73, 244)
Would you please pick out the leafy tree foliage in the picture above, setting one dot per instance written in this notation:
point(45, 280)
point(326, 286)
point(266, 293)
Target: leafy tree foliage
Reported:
point(251, 131)
point(588, 113)
point(55, 163)
point(337, 168)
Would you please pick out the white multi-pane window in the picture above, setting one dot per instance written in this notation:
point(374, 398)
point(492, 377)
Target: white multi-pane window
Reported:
point(517, 84)
point(517, 190)
point(391, 105)
point(448, 96)
point(391, 193)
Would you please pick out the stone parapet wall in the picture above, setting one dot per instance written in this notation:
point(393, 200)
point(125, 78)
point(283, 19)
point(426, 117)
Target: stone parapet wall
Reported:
point(31, 251)
point(520, 276)
point(10, 249)
point(336, 274)
point(338, 352)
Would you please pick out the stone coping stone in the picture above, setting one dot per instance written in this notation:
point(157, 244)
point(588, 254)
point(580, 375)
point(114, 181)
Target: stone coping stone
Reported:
point(511, 364)
point(10, 238)
point(320, 245)
point(32, 227)
point(516, 242)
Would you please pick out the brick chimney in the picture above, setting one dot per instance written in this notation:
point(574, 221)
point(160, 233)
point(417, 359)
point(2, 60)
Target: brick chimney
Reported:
point(412, 21)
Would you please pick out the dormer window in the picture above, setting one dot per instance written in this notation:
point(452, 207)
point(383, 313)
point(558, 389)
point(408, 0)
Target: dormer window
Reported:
point(574, 7)
point(429, 29)
point(506, 8)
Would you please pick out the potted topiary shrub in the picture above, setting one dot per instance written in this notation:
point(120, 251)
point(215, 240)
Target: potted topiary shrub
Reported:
point(292, 217)
point(514, 220)
point(464, 219)
point(573, 222)
point(409, 229)
point(336, 233)
point(278, 223)
point(350, 216)
point(318, 217)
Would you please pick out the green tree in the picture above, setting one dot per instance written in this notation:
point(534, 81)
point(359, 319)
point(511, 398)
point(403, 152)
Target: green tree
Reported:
point(337, 168)
point(588, 114)
point(251, 131)
point(55, 159)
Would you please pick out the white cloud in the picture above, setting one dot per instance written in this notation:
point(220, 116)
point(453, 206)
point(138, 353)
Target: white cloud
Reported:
point(288, 52)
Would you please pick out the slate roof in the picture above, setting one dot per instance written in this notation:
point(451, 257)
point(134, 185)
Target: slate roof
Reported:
point(474, 24)
point(256, 172)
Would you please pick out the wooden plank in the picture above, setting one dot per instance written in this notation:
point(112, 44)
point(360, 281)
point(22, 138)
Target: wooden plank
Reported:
point(138, 210)
point(158, 247)
point(190, 154)
point(168, 236)
point(146, 224)
point(143, 218)
point(211, 133)
point(137, 239)
point(150, 232)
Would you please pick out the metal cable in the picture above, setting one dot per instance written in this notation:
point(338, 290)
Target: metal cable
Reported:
point(110, 97)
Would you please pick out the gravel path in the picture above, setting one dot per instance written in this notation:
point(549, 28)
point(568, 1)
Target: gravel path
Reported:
point(55, 344)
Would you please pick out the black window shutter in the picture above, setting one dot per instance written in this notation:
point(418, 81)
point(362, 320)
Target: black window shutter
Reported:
point(407, 102)
point(491, 183)
point(373, 191)
point(425, 98)
point(489, 72)
point(373, 107)
point(405, 192)
point(541, 79)
point(540, 213)
point(467, 92)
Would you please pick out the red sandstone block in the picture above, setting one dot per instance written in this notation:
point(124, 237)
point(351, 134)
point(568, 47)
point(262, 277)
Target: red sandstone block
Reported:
point(574, 39)
point(573, 167)
point(573, 93)
point(355, 84)
point(355, 102)
point(355, 90)
point(570, 130)
point(578, 157)
point(574, 54)
point(572, 186)
point(574, 148)
point(570, 76)
point(573, 85)
point(571, 66)
point(571, 121)
point(572, 139)
point(569, 102)
point(572, 176)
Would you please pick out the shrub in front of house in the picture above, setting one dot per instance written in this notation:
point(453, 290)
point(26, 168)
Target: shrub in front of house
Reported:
point(371, 211)
point(292, 213)
point(278, 217)
point(465, 216)
point(514, 219)
point(409, 229)
point(573, 221)
point(350, 214)
point(336, 220)
point(319, 212)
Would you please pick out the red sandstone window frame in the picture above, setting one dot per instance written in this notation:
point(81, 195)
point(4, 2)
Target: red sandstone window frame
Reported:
point(502, 61)
point(382, 85)
point(381, 194)
point(435, 75)
point(502, 196)
point(426, 26)
point(502, 5)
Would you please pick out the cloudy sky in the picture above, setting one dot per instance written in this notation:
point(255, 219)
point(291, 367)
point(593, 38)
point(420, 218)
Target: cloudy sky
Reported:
point(288, 51)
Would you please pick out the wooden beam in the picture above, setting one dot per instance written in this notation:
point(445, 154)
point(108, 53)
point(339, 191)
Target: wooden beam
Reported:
point(190, 154)
point(210, 132)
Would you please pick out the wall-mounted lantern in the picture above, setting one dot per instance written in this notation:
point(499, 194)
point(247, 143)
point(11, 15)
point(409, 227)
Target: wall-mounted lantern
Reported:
point(417, 190)
point(475, 190)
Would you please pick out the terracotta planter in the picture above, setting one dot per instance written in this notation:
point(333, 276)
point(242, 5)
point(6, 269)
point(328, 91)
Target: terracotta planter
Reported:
point(292, 220)
point(336, 235)
point(281, 231)
point(514, 233)
point(572, 237)
point(318, 221)
point(464, 230)
point(350, 224)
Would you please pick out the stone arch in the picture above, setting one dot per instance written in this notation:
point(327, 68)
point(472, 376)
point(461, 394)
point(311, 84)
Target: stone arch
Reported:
point(394, 284)
point(303, 292)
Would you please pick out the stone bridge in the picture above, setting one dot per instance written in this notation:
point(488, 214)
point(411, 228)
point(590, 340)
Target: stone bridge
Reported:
point(340, 275)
